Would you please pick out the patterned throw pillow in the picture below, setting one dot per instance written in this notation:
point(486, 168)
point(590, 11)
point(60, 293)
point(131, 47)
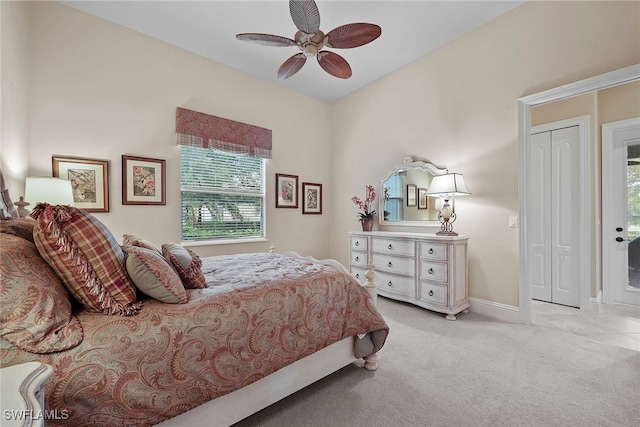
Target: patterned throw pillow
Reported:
point(21, 227)
point(86, 256)
point(35, 313)
point(131, 240)
point(187, 263)
point(153, 275)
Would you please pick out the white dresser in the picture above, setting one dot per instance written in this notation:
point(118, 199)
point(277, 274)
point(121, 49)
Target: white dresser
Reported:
point(423, 269)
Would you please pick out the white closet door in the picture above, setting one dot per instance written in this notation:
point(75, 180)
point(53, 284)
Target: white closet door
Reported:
point(554, 252)
point(540, 220)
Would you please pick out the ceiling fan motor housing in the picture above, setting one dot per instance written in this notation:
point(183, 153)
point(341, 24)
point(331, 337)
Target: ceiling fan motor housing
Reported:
point(310, 44)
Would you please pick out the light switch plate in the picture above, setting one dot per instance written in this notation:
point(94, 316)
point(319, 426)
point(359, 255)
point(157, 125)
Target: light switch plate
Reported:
point(513, 222)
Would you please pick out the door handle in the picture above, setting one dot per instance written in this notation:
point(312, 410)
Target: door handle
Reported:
point(620, 239)
point(619, 229)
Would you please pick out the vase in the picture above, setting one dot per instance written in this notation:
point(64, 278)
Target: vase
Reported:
point(367, 224)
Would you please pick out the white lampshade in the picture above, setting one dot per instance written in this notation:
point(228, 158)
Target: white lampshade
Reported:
point(55, 191)
point(448, 184)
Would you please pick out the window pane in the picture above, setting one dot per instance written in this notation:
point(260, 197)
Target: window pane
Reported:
point(222, 195)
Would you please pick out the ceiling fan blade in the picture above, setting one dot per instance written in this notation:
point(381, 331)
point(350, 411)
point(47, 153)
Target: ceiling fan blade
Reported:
point(291, 66)
point(305, 15)
point(352, 35)
point(266, 39)
point(334, 64)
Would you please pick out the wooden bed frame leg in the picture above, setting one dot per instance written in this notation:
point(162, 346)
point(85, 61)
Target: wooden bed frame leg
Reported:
point(371, 361)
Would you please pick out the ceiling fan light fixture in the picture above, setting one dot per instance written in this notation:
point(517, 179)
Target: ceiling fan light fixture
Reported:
point(310, 40)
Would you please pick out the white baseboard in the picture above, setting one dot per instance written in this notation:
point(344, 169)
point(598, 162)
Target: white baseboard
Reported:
point(502, 312)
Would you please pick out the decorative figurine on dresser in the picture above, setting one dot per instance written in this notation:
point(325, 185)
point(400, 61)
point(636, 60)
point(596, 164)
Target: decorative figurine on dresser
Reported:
point(428, 270)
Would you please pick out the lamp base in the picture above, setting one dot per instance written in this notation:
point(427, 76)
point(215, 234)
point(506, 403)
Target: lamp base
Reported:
point(446, 233)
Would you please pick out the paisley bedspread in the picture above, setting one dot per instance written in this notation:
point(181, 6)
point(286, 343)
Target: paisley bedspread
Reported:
point(258, 313)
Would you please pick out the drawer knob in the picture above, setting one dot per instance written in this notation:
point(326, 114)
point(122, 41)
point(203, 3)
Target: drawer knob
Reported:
point(430, 271)
point(390, 247)
point(389, 264)
point(357, 243)
point(430, 251)
point(431, 293)
point(357, 258)
point(357, 275)
point(389, 284)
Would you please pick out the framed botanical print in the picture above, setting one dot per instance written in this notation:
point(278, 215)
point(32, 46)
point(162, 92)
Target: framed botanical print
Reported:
point(286, 191)
point(423, 200)
point(143, 181)
point(312, 198)
point(411, 195)
point(89, 181)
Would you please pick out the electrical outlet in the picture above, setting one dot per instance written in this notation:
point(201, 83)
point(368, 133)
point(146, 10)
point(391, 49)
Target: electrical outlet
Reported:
point(513, 222)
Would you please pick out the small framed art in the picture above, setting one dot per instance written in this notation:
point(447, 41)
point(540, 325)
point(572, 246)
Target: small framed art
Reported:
point(411, 195)
point(143, 181)
point(286, 191)
point(311, 198)
point(423, 200)
point(89, 181)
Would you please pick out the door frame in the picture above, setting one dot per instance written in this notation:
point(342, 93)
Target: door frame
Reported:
point(584, 189)
point(613, 78)
point(608, 130)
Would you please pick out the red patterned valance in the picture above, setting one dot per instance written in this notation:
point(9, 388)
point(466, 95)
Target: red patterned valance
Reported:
point(206, 131)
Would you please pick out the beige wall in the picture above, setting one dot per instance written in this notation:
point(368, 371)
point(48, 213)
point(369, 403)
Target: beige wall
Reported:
point(101, 91)
point(14, 76)
point(457, 107)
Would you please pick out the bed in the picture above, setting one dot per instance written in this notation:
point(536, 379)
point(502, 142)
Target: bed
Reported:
point(242, 332)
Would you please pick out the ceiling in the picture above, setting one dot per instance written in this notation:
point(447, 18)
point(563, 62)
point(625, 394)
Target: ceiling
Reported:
point(410, 30)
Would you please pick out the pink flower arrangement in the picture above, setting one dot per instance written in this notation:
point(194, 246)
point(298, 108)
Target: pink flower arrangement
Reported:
point(365, 206)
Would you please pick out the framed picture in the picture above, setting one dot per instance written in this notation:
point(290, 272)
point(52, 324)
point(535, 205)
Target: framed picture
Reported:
point(423, 200)
point(286, 191)
point(411, 195)
point(143, 181)
point(89, 181)
point(311, 198)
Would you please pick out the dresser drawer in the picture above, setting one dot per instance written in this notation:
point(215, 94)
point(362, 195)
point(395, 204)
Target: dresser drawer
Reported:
point(359, 258)
point(433, 271)
point(392, 264)
point(433, 293)
point(433, 251)
point(393, 247)
point(359, 243)
point(359, 274)
point(396, 284)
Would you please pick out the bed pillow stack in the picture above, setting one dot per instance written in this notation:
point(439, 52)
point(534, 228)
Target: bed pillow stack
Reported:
point(86, 257)
point(35, 314)
point(178, 261)
point(151, 273)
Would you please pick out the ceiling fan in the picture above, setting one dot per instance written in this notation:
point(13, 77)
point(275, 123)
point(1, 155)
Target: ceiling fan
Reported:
point(310, 40)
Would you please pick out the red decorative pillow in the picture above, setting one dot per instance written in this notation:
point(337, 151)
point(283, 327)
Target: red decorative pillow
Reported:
point(153, 275)
point(86, 256)
point(35, 313)
point(21, 227)
point(187, 263)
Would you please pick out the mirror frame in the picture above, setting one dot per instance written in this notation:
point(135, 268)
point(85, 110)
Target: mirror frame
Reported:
point(602, 81)
point(408, 163)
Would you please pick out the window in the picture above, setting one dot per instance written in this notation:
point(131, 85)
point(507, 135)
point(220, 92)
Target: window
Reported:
point(223, 195)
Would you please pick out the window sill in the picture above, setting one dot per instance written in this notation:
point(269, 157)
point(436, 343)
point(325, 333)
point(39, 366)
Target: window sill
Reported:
point(223, 241)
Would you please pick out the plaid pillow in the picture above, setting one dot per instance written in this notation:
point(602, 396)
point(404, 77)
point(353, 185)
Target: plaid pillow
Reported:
point(187, 263)
point(86, 256)
point(35, 313)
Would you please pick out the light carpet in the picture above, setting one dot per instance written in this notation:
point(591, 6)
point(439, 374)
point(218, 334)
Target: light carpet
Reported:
point(474, 371)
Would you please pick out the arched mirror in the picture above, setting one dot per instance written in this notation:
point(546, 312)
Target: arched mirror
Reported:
point(402, 194)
